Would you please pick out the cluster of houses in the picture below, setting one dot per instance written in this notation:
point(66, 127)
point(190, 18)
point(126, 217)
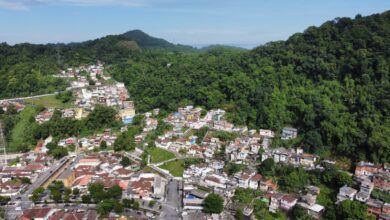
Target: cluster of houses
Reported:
point(72, 113)
point(149, 125)
point(105, 168)
point(43, 213)
point(200, 179)
point(100, 92)
point(19, 105)
point(29, 166)
point(368, 177)
point(93, 70)
point(86, 143)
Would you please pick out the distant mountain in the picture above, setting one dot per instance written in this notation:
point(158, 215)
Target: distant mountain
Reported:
point(138, 40)
point(221, 46)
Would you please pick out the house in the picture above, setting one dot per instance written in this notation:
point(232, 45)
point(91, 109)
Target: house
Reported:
point(223, 126)
point(163, 142)
point(366, 186)
point(362, 196)
point(194, 200)
point(254, 181)
point(308, 160)
point(374, 206)
point(215, 181)
point(346, 193)
point(243, 180)
point(37, 214)
point(44, 116)
point(68, 176)
point(146, 186)
point(381, 180)
point(365, 169)
point(386, 209)
point(89, 162)
point(266, 133)
point(275, 202)
point(289, 133)
point(267, 185)
point(287, 202)
point(82, 182)
point(255, 148)
point(316, 211)
point(68, 113)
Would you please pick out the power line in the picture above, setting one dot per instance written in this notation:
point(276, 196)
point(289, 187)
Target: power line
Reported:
point(3, 145)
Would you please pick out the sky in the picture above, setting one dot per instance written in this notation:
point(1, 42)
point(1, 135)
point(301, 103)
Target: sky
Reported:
point(245, 23)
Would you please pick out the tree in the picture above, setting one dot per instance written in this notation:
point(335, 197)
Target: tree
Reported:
point(136, 205)
point(127, 203)
point(103, 145)
point(267, 167)
point(151, 203)
point(25, 180)
point(239, 215)
point(76, 191)
point(4, 200)
point(3, 214)
point(353, 210)
point(342, 178)
point(56, 195)
point(96, 191)
point(213, 203)
point(118, 207)
point(36, 194)
point(115, 192)
point(105, 207)
point(125, 162)
point(300, 213)
point(102, 116)
point(59, 152)
point(86, 199)
point(67, 193)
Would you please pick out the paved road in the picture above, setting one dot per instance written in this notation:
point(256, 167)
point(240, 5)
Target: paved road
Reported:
point(34, 96)
point(172, 205)
point(23, 199)
point(9, 157)
point(28, 97)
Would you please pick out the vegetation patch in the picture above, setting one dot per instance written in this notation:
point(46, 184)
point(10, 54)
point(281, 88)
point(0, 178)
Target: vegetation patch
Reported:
point(158, 155)
point(176, 167)
point(20, 134)
point(51, 101)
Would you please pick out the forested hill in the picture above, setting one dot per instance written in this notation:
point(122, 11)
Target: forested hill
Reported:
point(25, 69)
point(331, 82)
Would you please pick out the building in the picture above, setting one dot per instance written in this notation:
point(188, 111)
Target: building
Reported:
point(37, 214)
point(346, 193)
point(289, 133)
point(287, 202)
point(67, 177)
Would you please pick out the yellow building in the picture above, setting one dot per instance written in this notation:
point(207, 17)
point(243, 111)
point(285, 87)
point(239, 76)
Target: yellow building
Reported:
point(67, 177)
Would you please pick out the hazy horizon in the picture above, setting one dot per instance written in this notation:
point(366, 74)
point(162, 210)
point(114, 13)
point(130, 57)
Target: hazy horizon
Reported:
point(196, 23)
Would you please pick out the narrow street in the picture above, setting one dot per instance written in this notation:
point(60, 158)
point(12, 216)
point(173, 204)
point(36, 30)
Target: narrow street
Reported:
point(172, 205)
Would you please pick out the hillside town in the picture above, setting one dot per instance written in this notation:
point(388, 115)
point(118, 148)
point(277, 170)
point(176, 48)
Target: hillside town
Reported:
point(178, 162)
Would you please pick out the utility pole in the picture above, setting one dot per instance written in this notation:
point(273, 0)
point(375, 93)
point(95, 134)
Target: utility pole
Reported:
point(3, 146)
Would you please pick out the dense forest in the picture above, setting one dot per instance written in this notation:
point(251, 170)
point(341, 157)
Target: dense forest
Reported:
point(331, 82)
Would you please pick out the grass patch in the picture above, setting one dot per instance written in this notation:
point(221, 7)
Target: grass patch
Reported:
point(49, 102)
point(176, 167)
point(18, 133)
point(158, 155)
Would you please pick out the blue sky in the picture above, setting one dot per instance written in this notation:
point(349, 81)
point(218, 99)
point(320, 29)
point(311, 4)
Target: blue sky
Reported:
point(195, 22)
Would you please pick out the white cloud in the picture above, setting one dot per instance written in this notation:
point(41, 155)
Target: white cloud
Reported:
point(13, 5)
point(27, 4)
